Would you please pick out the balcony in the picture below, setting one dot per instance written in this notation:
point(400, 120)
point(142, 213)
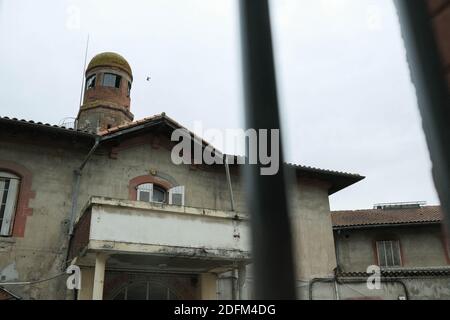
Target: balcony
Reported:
point(153, 236)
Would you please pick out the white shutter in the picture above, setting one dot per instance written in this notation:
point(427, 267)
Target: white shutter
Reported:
point(176, 196)
point(10, 207)
point(150, 190)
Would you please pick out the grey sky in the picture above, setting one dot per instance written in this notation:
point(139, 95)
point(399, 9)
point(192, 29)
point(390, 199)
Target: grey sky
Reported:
point(345, 92)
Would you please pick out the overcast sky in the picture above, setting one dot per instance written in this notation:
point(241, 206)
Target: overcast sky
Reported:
point(346, 96)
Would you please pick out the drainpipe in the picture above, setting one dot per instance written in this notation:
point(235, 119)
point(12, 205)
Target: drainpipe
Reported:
point(76, 184)
point(336, 290)
point(317, 280)
point(234, 285)
point(227, 170)
point(338, 264)
point(363, 280)
point(339, 281)
point(75, 193)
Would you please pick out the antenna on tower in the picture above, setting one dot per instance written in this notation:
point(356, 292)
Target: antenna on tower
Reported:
point(84, 69)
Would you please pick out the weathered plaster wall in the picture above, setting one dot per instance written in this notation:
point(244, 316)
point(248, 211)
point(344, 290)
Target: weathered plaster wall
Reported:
point(108, 177)
point(313, 243)
point(418, 289)
point(42, 251)
point(311, 225)
point(421, 246)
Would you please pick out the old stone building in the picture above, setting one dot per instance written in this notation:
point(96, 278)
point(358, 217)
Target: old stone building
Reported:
point(407, 240)
point(106, 197)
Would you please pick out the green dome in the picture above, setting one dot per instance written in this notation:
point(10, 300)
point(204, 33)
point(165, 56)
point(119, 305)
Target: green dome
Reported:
point(110, 59)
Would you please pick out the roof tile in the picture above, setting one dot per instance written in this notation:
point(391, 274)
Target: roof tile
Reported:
point(386, 216)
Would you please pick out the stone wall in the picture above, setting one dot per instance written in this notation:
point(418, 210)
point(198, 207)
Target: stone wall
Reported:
point(421, 246)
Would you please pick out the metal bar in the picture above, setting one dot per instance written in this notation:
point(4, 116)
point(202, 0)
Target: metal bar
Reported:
point(271, 234)
point(432, 92)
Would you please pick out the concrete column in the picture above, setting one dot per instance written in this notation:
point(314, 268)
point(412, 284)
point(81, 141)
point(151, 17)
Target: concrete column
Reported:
point(208, 286)
point(87, 283)
point(99, 276)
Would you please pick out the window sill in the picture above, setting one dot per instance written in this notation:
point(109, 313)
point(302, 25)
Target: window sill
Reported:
point(6, 239)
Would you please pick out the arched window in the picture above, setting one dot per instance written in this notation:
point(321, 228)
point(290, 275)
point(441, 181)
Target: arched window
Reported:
point(145, 291)
point(149, 192)
point(9, 189)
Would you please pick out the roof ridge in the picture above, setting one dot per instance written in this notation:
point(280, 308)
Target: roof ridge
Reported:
point(373, 217)
point(384, 210)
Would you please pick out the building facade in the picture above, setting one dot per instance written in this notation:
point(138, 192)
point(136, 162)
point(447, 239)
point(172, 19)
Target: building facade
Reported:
point(407, 241)
point(107, 197)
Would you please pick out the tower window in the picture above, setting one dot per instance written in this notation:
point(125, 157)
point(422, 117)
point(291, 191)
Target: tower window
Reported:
point(90, 82)
point(111, 80)
point(129, 88)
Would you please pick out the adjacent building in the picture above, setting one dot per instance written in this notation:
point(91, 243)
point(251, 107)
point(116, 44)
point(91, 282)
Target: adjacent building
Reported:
point(406, 240)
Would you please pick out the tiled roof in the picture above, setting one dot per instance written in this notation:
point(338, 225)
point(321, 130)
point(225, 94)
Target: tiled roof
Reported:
point(17, 121)
point(314, 169)
point(427, 214)
point(132, 124)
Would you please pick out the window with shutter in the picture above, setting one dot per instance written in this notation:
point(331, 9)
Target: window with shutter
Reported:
point(9, 188)
point(149, 192)
point(144, 192)
point(176, 196)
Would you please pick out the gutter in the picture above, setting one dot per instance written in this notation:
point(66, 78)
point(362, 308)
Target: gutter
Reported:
point(387, 225)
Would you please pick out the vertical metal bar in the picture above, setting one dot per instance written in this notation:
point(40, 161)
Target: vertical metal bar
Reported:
point(432, 91)
point(271, 233)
